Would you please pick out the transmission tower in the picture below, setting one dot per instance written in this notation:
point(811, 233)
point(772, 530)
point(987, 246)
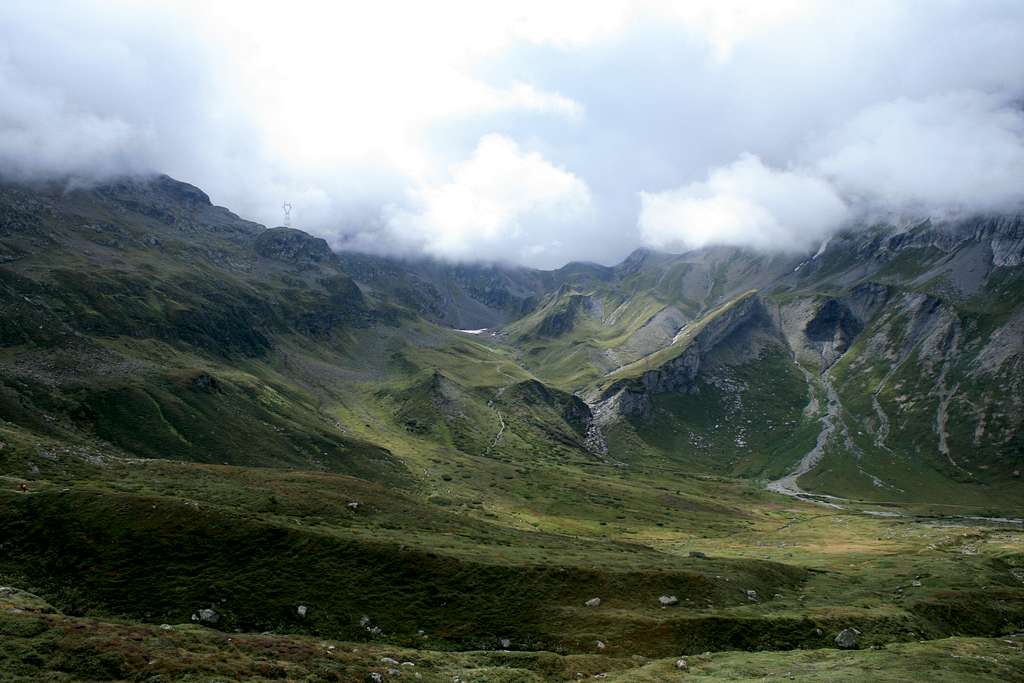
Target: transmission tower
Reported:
point(287, 208)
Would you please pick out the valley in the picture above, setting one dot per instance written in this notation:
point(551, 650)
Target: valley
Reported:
point(739, 455)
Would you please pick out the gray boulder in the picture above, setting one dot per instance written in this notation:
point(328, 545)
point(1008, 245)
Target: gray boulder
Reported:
point(206, 616)
point(667, 600)
point(593, 602)
point(847, 638)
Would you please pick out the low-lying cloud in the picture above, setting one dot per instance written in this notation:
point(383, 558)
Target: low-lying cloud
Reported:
point(743, 204)
point(537, 133)
point(500, 204)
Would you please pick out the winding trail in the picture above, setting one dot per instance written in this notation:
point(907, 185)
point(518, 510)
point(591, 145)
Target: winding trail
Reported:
point(490, 404)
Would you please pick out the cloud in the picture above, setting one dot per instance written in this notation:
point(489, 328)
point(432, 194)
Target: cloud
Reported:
point(501, 204)
point(951, 152)
point(378, 121)
point(743, 204)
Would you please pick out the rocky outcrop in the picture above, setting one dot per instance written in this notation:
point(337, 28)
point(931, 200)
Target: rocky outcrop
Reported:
point(292, 246)
point(632, 397)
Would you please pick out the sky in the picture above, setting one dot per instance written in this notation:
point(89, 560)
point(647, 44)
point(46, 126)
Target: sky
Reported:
point(527, 132)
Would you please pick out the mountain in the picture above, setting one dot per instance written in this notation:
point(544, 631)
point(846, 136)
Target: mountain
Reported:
point(214, 417)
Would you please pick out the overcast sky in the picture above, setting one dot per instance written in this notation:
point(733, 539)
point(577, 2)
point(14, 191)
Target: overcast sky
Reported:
point(530, 132)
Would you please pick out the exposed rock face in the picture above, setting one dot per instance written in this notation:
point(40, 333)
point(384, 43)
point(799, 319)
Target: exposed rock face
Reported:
point(293, 246)
point(633, 397)
point(1007, 241)
point(821, 330)
point(832, 329)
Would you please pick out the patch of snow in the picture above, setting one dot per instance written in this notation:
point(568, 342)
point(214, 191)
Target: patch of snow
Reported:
point(480, 331)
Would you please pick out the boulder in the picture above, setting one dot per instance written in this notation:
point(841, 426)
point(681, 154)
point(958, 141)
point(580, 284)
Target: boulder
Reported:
point(667, 600)
point(682, 664)
point(697, 553)
point(847, 639)
point(593, 602)
point(206, 616)
point(301, 611)
point(752, 595)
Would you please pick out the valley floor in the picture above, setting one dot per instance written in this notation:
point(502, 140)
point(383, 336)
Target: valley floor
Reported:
point(126, 553)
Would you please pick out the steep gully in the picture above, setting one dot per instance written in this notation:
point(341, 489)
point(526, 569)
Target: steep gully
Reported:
point(831, 422)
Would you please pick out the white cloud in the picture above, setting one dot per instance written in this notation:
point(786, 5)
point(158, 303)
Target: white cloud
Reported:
point(950, 152)
point(743, 204)
point(501, 204)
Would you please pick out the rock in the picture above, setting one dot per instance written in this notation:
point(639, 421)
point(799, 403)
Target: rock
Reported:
point(165, 627)
point(505, 643)
point(301, 611)
point(394, 672)
point(352, 505)
point(600, 645)
point(667, 600)
point(682, 664)
point(388, 660)
point(206, 616)
point(697, 553)
point(408, 664)
point(847, 639)
point(752, 596)
point(916, 584)
point(376, 677)
point(593, 602)
point(206, 383)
